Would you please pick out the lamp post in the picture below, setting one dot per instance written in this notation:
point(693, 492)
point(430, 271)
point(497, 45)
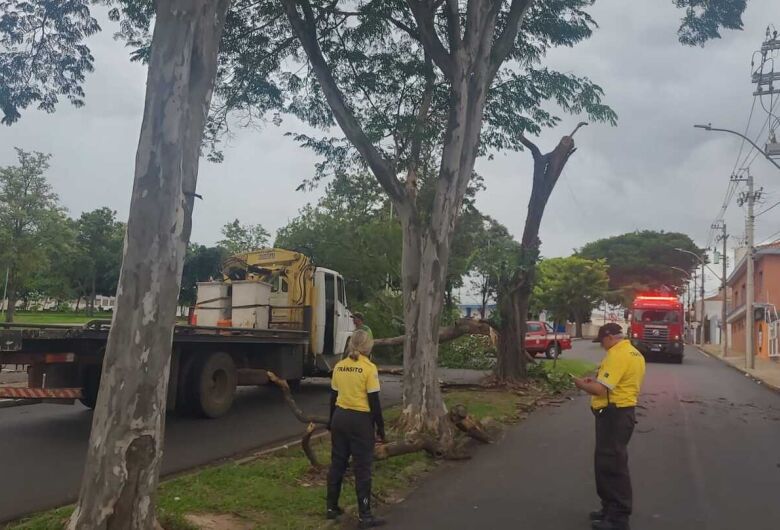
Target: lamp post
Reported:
point(701, 291)
point(709, 127)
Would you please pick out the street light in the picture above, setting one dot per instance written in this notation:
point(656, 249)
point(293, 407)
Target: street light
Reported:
point(709, 127)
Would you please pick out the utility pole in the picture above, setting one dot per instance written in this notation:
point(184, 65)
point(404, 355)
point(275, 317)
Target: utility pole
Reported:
point(750, 197)
point(701, 314)
point(723, 237)
point(693, 320)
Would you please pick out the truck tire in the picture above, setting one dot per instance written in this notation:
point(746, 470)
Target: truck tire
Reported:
point(552, 351)
point(212, 385)
point(90, 384)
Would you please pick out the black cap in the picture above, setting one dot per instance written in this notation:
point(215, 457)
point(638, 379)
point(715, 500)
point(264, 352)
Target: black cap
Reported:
point(608, 330)
point(358, 316)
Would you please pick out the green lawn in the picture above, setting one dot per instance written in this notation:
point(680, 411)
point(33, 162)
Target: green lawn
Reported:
point(43, 317)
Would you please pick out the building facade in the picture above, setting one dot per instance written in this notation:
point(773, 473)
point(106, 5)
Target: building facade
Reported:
point(766, 292)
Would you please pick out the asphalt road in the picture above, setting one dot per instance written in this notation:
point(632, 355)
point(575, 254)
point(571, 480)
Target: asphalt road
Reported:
point(42, 447)
point(705, 456)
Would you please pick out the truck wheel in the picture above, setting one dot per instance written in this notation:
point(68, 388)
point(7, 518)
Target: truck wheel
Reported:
point(678, 359)
point(552, 352)
point(90, 384)
point(213, 385)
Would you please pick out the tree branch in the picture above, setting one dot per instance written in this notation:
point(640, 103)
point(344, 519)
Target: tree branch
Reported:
point(506, 40)
point(537, 154)
point(423, 15)
point(463, 326)
point(307, 33)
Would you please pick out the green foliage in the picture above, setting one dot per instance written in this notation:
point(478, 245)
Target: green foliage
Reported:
point(493, 261)
point(642, 260)
point(240, 238)
point(201, 264)
point(45, 55)
point(30, 218)
point(571, 286)
point(555, 375)
point(469, 351)
point(98, 252)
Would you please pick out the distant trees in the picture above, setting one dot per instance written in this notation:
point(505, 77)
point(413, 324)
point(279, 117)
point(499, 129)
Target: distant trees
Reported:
point(238, 238)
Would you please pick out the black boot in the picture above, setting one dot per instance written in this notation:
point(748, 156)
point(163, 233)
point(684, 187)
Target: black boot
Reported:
point(598, 515)
point(334, 491)
point(365, 518)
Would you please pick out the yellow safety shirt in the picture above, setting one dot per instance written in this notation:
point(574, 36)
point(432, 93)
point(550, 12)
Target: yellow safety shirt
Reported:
point(622, 371)
point(354, 380)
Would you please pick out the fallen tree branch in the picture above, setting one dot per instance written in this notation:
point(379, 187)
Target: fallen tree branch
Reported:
point(285, 388)
point(468, 424)
point(463, 326)
point(306, 445)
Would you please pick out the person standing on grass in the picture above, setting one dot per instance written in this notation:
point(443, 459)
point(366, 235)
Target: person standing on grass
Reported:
point(614, 398)
point(356, 423)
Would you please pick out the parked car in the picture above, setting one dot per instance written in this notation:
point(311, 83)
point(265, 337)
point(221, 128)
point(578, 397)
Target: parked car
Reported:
point(541, 338)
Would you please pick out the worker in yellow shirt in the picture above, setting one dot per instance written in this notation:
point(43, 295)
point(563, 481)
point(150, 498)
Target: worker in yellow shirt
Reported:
point(614, 397)
point(355, 417)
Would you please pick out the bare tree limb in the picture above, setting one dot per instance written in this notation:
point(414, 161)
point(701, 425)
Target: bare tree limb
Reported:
point(463, 326)
point(535, 151)
point(306, 445)
point(302, 417)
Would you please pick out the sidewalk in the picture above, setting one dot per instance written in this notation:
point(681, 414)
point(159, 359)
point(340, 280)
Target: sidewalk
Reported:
point(766, 371)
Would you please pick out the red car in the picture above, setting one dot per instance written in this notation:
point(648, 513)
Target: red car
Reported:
point(540, 338)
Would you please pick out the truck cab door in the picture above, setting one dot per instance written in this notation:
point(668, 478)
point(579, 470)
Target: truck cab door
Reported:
point(344, 325)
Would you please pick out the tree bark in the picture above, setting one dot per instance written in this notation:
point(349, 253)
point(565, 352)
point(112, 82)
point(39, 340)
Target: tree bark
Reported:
point(578, 327)
point(125, 449)
point(515, 296)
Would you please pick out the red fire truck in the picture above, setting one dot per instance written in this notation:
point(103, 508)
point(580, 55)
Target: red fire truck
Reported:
point(657, 325)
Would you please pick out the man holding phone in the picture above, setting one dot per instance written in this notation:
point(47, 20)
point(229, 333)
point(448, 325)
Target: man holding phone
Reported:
point(614, 397)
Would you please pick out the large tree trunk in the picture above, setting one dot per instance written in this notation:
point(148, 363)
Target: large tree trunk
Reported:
point(578, 326)
point(423, 273)
point(547, 170)
point(125, 449)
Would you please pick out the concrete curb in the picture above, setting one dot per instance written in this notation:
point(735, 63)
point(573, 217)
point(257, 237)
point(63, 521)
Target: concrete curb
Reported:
point(756, 379)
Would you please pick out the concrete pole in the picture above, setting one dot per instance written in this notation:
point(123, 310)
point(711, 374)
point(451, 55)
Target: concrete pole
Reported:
point(695, 331)
point(701, 314)
point(750, 297)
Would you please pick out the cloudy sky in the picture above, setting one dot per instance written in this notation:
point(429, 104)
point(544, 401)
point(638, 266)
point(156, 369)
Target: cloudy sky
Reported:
point(652, 171)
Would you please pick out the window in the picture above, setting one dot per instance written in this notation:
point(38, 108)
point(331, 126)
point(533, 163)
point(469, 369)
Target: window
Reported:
point(548, 327)
point(340, 288)
point(655, 315)
point(285, 286)
point(534, 327)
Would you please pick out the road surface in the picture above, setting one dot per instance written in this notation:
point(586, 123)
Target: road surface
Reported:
point(705, 456)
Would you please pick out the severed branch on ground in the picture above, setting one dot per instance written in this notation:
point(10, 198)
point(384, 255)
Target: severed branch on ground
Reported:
point(463, 326)
point(459, 416)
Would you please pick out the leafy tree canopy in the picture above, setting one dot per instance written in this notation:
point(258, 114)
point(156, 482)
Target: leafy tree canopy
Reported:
point(570, 287)
point(238, 238)
point(646, 259)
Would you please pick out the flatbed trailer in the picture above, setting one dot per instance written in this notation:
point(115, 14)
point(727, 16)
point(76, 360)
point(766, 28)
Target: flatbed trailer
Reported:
point(64, 363)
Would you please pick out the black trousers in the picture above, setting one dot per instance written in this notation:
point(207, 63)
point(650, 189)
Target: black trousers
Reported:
point(614, 427)
point(351, 434)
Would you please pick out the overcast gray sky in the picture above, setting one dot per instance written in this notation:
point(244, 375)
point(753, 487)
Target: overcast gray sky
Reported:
point(652, 171)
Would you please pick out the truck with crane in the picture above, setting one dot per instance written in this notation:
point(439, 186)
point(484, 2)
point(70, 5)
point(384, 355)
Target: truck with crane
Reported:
point(273, 309)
